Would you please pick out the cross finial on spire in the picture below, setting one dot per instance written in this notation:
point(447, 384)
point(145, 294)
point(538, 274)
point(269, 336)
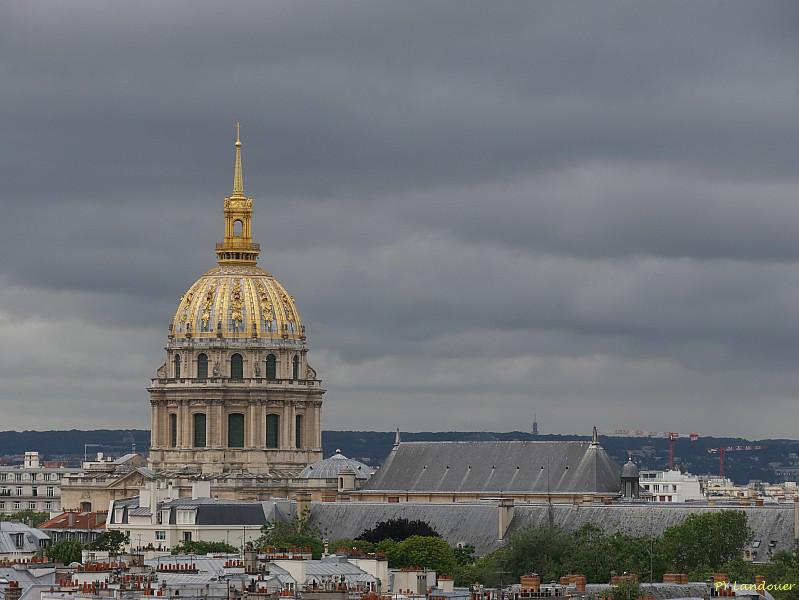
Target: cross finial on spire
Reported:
point(238, 177)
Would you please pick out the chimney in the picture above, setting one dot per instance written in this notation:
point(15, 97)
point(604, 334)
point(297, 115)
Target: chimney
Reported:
point(530, 583)
point(71, 518)
point(505, 516)
point(13, 591)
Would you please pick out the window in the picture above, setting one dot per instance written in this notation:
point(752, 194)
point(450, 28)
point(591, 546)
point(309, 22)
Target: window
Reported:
point(199, 430)
point(18, 476)
point(298, 431)
point(236, 228)
point(236, 367)
point(85, 507)
point(33, 476)
point(32, 505)
point(202, 366)
point(177, 366)
point(272, 431)
point(160, 535)
point(271, 367)
point(48, 506)
point(16, 505)
point(50, 491)
point(187, 536)
point(2, 505)
point(173, 430)
point(34, 491)
point(235, 430)
point(19, 490)
point(2, 476)
point(295, 367)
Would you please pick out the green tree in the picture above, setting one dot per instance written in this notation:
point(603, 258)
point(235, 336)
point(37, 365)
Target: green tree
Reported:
point(350, 544)
point(30, 517)
point(297, 533)
point(626, 590)
point(545, 550)
point(65, 551)
point(420, 551)
point(464, 555)
point(203, 548)
point(111, 540)
point(704, 542)
point(397, 529)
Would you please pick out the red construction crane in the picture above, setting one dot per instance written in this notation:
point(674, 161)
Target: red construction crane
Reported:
point(723, 451)
point(669, 435)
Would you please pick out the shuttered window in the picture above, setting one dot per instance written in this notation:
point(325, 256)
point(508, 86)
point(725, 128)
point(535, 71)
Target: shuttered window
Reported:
point(235, 430)
point(202, 366)
point(199, 430)
point(271, 367)
point(298, 431)
point(236, 367)
point(272, 431)
point(173, 430)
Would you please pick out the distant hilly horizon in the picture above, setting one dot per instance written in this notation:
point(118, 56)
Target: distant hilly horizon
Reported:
point(777, 458)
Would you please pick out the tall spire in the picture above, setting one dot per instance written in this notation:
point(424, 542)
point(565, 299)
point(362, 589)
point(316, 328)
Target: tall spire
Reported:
point(238, 247)
point(238, 177)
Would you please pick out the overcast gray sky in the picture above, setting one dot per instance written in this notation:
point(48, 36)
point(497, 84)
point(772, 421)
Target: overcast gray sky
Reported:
point(484, 209)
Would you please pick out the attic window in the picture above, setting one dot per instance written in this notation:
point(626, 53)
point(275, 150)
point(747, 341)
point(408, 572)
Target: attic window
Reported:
point(756, 544)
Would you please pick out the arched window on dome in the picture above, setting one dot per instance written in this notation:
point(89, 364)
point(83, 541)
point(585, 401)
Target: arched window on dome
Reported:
point(272, 431)
point(271, 367)
point(202, 366)
point(298, 431)
point(177, 366)
point(235, 430)
point(237, 227)
point(173, 430)
point(295, 367)
point(236, 366)
point(199, 430)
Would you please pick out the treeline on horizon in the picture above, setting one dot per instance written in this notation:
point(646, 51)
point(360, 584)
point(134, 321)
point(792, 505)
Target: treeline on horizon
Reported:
point(372, 447)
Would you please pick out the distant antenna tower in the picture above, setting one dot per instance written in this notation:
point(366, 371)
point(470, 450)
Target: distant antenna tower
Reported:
point(535, 424)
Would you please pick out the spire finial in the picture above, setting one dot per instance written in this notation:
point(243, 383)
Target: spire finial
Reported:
point(397, 438)
point(594, 437)
point(238, 177)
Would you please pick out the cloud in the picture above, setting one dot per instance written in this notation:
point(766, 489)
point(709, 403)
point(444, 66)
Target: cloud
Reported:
point(582, 209)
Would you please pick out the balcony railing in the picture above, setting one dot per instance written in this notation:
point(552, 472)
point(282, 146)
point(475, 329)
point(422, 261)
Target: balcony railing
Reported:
point(245, 381)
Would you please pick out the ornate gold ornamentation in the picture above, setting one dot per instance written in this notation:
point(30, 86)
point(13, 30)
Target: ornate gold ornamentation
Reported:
point(236, 303)
point(208, 303)
point(287, 307)
point(266, 304)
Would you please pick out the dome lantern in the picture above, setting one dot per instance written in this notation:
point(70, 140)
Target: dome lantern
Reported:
point(238, 247)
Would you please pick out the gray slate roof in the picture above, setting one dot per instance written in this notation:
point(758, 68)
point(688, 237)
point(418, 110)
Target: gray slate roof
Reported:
point(477, 523)
point(473, 523)
point(30, 538)
point(499, 466)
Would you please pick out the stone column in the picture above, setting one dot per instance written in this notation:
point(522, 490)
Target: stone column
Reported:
point(285, 439)
point(154, 433)
point(292, 426)
point(318, 425)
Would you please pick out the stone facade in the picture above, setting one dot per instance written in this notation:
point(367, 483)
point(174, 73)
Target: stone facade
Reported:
point(236, 393)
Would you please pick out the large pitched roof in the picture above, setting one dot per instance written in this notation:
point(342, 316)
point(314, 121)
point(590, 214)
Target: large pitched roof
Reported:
point(477, 523)
point(499, 466)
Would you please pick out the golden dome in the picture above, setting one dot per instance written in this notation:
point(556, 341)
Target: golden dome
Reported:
point(238, 301)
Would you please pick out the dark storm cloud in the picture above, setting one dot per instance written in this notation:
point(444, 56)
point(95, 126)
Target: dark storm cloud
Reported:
point(586, 208)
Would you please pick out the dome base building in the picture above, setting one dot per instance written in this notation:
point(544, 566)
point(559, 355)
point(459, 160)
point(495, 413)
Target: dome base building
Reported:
point(236, 393)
